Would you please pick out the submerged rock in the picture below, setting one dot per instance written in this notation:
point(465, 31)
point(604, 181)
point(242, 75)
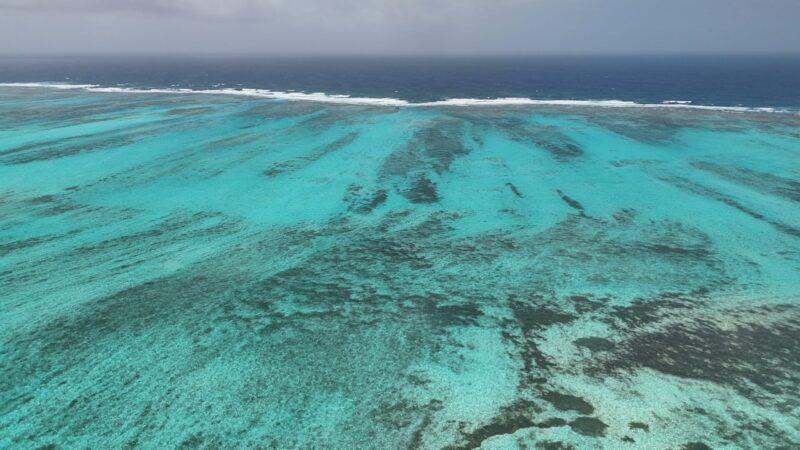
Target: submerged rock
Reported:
point(595, 344)
point(566, 402)
point(589, 426)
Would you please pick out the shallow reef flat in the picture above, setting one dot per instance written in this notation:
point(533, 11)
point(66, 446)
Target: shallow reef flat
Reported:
point(195, 271)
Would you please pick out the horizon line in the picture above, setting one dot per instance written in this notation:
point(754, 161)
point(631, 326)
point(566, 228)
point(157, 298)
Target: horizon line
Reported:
point(396, 55)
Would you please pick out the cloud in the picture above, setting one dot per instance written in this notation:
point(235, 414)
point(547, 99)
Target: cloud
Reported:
point(263, 9)
point(228, 8)
point(399, 26)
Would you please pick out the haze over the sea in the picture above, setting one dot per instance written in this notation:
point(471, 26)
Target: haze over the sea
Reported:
point(410, 27)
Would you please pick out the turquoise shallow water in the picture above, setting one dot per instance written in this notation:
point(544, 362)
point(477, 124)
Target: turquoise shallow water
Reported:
point(209, 271)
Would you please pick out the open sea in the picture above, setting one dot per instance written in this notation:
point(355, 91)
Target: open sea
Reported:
point(380, 253)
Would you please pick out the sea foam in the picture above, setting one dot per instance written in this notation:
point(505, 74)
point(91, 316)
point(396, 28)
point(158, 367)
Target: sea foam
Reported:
point(393, 102)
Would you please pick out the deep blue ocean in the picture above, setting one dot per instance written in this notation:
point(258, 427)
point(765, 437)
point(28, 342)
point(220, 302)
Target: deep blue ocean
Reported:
point(753, 81)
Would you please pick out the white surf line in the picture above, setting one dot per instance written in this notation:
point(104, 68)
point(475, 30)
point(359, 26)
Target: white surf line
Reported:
point(49, 85)
point(395, 102)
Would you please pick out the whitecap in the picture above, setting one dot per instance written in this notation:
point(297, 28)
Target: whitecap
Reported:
point(50, 85)
point(396, 102)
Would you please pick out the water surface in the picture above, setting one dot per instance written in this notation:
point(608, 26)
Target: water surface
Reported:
point(212, 271)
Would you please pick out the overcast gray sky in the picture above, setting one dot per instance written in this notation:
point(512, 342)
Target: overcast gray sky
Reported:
point(399, 26)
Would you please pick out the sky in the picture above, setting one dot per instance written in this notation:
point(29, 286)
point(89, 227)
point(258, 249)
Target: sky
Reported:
point(399, 26)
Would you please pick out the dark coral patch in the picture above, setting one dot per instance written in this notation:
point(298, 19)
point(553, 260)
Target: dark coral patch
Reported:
point(670, 250)
point(442, 145)
point(363, 201)
point(695, 446)
point(566, 402)
point(595, 344)
point(43, 199)
point(584, 304)
point(589, 426)
point(514, 190)
point(277, 168)
point(642, 312)
point(432, 148)
point(25, 243)
point(639, 426)
point(531, 316)
point(561, 150)
point(314, 155)
point(713, 194)
point(548, 138)
point(755, 354)
point(570, 201)
point(453, 314)
point(423, 190)
point(762, 181)
point(512, 419)
point(378, 198)
point(554, 445)
point(552, 422)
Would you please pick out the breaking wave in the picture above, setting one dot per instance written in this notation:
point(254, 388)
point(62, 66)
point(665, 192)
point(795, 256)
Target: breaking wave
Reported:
point(393, 102)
